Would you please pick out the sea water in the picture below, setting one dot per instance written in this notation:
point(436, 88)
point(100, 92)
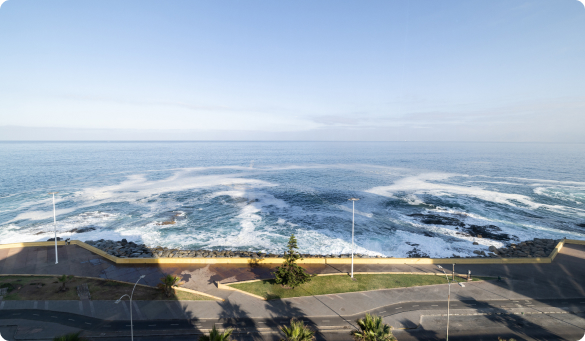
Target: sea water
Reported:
point(416, 198)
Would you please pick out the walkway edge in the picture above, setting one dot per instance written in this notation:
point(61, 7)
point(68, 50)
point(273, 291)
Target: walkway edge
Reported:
point(117, 260)
point(115, 280)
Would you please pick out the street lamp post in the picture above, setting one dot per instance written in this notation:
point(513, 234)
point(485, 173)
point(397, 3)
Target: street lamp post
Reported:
point(353, 200)
point(120, 299)
point(449, 295)
point(55, 226)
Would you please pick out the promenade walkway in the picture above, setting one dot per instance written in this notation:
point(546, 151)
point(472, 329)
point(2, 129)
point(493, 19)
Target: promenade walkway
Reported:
point(528, 285)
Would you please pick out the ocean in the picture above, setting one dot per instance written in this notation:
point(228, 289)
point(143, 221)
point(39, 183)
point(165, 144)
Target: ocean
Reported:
point(416, 198)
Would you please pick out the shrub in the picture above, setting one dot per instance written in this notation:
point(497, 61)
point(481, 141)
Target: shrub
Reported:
point(214, 335)
point(297, 332)
point(70, 337)
point(167, 284)
point(372, 329)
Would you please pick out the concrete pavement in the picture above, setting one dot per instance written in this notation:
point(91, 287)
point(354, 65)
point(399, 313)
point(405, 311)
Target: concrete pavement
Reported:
point(536, 283)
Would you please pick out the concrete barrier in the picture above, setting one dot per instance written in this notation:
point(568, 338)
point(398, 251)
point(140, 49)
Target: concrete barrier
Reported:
point(324, 260)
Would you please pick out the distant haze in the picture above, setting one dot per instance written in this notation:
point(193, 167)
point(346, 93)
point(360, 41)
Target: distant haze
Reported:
point(502, 70)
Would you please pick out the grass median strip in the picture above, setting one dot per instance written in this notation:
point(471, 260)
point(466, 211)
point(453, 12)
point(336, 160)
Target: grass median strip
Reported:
point(323, 285)
point(47, 288)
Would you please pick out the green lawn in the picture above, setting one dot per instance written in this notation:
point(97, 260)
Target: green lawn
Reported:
point(323, 285)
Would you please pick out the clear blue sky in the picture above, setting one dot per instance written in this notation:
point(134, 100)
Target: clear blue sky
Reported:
point(497, 70)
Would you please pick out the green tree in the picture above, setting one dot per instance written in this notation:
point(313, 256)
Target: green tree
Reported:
point(501, 339)
point(290, 274)
point(63, 280)
point(70, 337)
point(167, 284)
point(297, 332)
point(214, 335)
point(372, 329)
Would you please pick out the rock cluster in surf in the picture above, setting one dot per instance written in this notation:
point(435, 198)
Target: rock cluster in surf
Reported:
point(126, 249)
point(530, 248)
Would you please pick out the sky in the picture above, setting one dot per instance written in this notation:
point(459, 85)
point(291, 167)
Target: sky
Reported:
point(421, 70)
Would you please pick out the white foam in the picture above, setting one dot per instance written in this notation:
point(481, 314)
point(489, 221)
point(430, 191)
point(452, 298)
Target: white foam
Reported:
point(421, 185)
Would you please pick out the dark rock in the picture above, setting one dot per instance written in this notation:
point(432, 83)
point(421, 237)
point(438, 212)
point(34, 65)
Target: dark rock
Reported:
point(433, 219)
point(82, 229)
point(488, 231)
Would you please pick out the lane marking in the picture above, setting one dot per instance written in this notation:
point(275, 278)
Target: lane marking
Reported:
point(174, 324)
point(398, 308)
point(71, 320)
point(415, 305)
point(152, 325)
point(54, 317)
point(382, 312)
point(36, 314)
point(325, 321)
point(434, 305)
point(87, 323)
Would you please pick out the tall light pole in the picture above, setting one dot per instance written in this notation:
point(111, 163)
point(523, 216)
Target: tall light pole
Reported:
point(449, 296)
point(55, 226)
point(353, 200)
point(132, 294)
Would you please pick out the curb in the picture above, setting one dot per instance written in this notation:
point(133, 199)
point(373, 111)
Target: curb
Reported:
point(324, 260)
point(114, 280)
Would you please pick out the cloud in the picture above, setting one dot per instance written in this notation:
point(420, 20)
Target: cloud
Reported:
point(582, 1)
point(1, 2)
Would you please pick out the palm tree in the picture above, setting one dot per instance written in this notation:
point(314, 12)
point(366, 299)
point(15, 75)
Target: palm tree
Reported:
point(167, 284)
point(70, 337)
point(64, 279)
point(372, 329)
point(214, 335)
point(297, 332)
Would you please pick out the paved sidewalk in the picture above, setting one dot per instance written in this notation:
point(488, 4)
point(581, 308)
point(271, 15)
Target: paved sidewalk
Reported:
point(563, 279)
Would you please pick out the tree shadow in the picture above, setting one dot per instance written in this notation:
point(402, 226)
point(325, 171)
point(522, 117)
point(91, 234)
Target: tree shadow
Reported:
point(233, 316)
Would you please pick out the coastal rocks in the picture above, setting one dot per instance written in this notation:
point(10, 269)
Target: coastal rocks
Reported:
point(488, 231)
point(530, 248)
point(125, 249)
point(82, 229)
point(433, 219)
point(416, 252)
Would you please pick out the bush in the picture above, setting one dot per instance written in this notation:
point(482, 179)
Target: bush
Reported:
point(290, 274)
point(297, 332)
point(167, 284)
point(70, 337)
point(214, 335)
point(372, 329)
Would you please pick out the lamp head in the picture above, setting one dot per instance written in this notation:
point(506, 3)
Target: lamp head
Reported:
point(118, 301)
point(440, 267)
point(353, 199)
point(461, 284)
point(141, 277)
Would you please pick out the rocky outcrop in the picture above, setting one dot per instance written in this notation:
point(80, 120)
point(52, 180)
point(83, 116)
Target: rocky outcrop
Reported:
point(530, 248)
point(125, 249)
point(433, 219)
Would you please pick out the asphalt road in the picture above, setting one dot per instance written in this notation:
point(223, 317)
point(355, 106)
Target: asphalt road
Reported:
point(498, 323)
